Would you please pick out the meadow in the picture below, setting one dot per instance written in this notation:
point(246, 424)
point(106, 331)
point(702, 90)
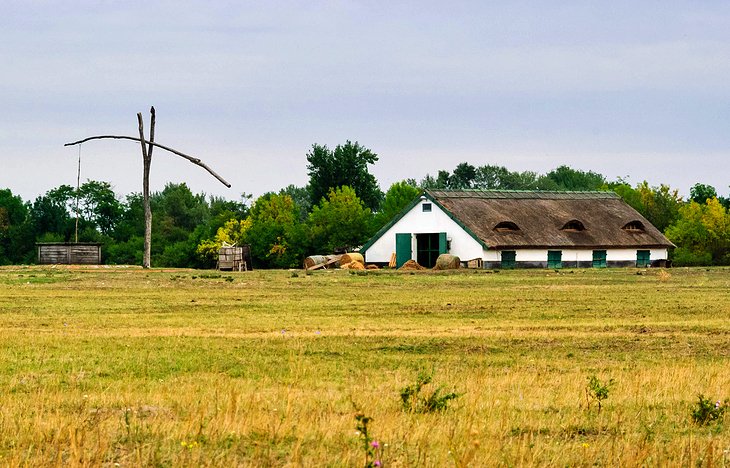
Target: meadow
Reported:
point(128, 367)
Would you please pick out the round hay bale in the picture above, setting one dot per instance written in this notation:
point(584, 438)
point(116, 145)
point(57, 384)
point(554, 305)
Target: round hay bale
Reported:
point(411, 265)
point(372, 267)
point(313, 260)
point(447, 262)
point(352, 257)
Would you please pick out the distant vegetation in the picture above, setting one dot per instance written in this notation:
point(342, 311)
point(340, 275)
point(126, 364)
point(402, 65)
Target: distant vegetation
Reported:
point(340, 208)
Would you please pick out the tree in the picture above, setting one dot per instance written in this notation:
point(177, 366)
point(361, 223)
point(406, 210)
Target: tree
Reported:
point(276, 237)
point(700, 193)
point(702, 234)
point(340, 222)
point(566, 178)
point(16, 240)
point(463, 176)
point(346, 165)
point(398, 196)
point(300, 195)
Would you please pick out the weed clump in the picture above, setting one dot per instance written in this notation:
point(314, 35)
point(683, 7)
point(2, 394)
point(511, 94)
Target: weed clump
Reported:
point(597, 391)
point(706, 411)
point(414, 401)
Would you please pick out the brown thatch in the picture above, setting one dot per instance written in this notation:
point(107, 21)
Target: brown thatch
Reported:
point(447, 262)
point(505, 220)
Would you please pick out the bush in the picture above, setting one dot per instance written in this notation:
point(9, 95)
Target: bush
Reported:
point(414, 401)
point(706, 411)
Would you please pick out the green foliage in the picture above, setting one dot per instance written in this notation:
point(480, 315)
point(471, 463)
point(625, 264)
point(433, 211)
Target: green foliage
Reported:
point(597, 391)
point(566, 178)
point(277, 238)
point(413, 400)
point(398, 196)
point(15, 236)
point(660, 205)
point(346, 165)
point(340, 222)
point(702, 231)
point(706, 411)
point(700, 193)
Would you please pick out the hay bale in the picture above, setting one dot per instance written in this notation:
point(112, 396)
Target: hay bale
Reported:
point(357, 266)
point(411, 265)
point(447, 262)
point(372, 267)
point(313, 260)
point(352, 257)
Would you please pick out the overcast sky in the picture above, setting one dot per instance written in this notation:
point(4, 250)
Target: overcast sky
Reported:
point(628, 89)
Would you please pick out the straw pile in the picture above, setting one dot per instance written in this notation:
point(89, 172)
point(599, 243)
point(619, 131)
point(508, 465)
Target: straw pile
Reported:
point(352, 257)
point(411, 265)
point(352, 266)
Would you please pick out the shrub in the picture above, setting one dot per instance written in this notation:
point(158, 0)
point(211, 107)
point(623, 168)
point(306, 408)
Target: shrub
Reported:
point(706, 411)
point(597, 391)
point(414, 401)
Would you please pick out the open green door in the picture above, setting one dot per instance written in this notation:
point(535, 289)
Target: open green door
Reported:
point(443, 243)
point(403, 251)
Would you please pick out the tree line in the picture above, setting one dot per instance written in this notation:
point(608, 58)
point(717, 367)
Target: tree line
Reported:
point(340, 208)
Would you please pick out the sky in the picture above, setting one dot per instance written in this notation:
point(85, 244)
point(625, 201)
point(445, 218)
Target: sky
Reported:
point(637, 90)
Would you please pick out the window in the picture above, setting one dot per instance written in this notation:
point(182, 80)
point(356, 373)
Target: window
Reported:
point(506, 226)
point(643, 258)
point(599, 259)
point(426, 207)
point(508, 258)
point(574, 226)
point(634, 226)
point(555, 259)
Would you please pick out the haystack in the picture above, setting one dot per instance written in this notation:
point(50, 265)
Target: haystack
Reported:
point(447, 262)
point(352, 257)
point(372, 267)
point(352, 266)
point(411, 265)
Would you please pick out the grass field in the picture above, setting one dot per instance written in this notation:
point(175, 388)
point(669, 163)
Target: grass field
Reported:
point(125, 367)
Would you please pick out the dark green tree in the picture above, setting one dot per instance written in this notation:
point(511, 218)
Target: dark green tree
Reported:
point(700, 193)
point(565, 178)
point(16, 237)
point(346, 165)
point(277, 238)
point(463, 176)
point(340, 222)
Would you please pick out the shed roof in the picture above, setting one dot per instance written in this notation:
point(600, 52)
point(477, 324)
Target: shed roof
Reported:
point(541, 217)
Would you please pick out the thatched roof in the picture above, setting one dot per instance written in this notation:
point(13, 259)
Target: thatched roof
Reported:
point(550, 219)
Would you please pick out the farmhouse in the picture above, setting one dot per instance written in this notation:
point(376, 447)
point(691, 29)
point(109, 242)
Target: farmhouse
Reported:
point(520, 229)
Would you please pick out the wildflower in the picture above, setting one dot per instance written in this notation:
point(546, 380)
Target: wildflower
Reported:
point(717, 405)
point(586, 445)
point(376, 463)
point(375, 444)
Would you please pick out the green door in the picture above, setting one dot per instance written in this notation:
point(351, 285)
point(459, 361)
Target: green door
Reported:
point(403, 251)
point(443, 243)
point(508, 258)
point(555, 259)
point(599, 259)
point(643, 258)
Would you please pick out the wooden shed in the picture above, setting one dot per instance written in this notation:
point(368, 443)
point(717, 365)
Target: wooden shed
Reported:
point(235, 258)
point(67, 253)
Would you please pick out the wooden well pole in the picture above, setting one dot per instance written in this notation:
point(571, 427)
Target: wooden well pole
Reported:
point(147, 146)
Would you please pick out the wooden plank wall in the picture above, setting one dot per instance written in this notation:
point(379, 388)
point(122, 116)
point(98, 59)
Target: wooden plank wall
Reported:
point(69, 254)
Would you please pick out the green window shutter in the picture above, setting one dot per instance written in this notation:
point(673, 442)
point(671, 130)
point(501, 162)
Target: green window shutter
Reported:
point(508, 258)
point(443, 243)
point(403, 251)
point(555, 259)
point(643, 258)
point(599, 259)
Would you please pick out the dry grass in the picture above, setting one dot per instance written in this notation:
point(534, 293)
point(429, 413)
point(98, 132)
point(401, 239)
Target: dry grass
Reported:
point(125, 367)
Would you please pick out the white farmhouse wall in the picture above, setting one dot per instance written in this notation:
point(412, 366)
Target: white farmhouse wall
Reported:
point(575, 255)
point(417, 222)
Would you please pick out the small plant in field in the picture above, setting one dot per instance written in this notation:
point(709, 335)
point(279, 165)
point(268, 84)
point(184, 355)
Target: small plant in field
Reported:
point(706, 411)
point(371, 448)
point(597, 391)
point(413, 400)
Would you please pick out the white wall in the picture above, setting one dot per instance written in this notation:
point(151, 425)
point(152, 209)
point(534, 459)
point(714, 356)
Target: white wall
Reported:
point(418, 222)
point(572, 255)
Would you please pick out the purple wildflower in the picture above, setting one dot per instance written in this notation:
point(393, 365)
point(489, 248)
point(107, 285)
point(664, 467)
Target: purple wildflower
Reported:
point(376, 463)
point(717, 405)
point(375, 444)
